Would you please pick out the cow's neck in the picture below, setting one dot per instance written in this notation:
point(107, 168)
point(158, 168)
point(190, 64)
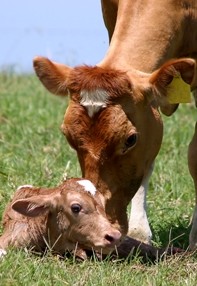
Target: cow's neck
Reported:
point(140, 40)
point(116, 214)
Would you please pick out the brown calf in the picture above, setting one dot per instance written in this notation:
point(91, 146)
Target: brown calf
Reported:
point(113, 120)
point(61, 218)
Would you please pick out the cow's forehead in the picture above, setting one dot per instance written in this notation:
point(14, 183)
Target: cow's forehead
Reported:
point(94, 101)
point(115, 110)
point(95, 88)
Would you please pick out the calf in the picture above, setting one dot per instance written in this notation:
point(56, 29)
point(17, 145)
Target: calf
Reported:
point(59, 218)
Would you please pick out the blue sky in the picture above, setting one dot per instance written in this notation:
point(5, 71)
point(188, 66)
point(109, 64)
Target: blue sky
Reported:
point(68, 31)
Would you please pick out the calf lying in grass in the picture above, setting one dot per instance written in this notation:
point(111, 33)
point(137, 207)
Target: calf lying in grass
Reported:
point(67, 217)
point(59, 218)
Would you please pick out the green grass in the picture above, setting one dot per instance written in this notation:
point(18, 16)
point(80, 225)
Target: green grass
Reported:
point(34, 151)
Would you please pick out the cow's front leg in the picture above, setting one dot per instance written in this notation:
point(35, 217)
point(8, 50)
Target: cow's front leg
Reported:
point(192, 162)
point(138, 222)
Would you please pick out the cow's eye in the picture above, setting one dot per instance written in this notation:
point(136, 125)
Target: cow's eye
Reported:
point(131, 140)
point(76, 208)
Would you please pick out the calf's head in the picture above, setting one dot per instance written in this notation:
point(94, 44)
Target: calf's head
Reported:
point(73, 213)
point(113, 123)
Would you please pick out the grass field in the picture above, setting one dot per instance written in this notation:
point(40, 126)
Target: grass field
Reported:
point(33, 151)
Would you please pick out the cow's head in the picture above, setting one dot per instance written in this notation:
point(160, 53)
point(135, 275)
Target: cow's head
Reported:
point(113, 122)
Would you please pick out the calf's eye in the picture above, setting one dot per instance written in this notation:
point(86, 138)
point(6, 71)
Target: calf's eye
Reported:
point(131, 140)
point(76, 208)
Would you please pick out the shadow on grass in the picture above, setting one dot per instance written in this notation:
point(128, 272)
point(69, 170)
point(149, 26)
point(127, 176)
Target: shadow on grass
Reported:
point(178, 236)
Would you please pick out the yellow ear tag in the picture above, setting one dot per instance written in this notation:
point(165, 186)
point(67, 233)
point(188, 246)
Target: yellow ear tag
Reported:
point(178, 91)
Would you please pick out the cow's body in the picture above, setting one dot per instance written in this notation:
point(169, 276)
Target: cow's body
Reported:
point(148, 33)
point(113, 120)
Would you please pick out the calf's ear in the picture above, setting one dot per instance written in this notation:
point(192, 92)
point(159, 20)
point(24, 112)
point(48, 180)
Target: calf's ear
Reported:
point(54, 76)
point(172, 83)
point(36, 205)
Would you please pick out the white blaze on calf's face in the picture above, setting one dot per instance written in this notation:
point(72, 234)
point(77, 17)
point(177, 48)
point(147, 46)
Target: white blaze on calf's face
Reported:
point(88, 186)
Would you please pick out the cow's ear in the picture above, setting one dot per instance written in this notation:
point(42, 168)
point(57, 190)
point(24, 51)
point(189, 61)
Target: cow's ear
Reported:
point(36, 205)
point(172, 83)
point(54, 76)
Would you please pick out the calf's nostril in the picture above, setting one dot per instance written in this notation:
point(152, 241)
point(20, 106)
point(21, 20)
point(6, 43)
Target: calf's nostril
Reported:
point(113, 237)
point(109, 238)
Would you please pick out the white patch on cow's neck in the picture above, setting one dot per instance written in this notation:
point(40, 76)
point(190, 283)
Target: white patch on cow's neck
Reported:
point(88, 186)
point(93, 101)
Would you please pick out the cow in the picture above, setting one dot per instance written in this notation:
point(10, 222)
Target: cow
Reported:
point(113, 119)
point(62, 218)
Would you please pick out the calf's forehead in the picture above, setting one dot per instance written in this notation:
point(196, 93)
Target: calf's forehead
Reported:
point(87, 186)
point(79, 186)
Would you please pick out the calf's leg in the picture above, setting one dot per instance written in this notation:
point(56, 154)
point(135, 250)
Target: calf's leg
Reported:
point(4, 243)
point(192, 163)
point(139, 228)
point(15, 234)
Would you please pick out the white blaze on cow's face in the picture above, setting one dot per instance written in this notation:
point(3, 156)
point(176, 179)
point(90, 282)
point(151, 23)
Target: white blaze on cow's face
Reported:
point(88, 186)
point(93, 101)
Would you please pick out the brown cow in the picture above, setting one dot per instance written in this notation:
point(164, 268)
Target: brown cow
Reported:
point(68, 218)
point(62, 218)
point(112, 120)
